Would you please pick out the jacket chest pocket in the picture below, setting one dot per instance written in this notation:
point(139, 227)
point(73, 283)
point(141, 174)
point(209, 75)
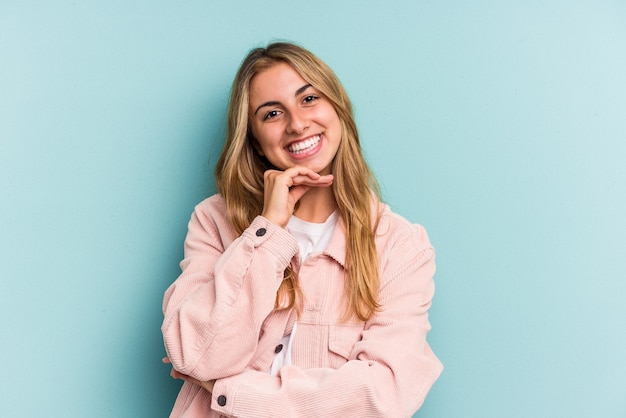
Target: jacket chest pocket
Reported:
point(341, 341)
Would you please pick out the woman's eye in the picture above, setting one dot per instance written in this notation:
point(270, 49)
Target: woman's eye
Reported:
point(311, 98)
point(271, 114)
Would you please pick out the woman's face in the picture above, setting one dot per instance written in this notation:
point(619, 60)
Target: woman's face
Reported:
point(291, 120)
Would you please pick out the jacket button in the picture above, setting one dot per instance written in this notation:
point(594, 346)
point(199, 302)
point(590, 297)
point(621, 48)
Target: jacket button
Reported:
point(278, 348)
point(260, 232)
point(221, 400)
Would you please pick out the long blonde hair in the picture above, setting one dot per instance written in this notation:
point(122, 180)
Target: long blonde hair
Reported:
point(240, 168)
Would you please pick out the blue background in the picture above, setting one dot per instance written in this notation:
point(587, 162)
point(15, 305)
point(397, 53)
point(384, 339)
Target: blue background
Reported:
point(499, 125)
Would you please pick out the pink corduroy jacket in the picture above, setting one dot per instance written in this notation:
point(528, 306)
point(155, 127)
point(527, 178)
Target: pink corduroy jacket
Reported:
point(220, 323)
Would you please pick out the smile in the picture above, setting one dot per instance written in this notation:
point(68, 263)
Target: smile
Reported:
point(302, 147)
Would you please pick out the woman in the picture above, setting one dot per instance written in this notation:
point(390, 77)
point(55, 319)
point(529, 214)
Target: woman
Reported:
point(301, 295)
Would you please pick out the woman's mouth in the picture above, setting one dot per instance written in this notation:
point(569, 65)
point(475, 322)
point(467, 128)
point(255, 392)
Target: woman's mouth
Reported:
point(304, 146)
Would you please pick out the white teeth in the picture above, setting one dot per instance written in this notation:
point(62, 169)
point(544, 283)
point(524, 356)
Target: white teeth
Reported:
point(303, 146)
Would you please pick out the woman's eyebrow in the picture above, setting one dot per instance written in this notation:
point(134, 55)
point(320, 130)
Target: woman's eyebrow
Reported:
point(274, 103)
point(302, 89)
point(266, 104)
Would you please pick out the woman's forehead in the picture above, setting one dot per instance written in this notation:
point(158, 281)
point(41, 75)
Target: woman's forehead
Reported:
point(279, 82)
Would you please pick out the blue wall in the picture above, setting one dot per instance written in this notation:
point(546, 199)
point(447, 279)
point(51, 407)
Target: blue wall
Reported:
point(500, 126)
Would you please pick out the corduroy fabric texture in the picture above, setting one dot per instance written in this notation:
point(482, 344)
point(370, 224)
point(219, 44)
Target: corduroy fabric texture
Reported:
point(220, 323)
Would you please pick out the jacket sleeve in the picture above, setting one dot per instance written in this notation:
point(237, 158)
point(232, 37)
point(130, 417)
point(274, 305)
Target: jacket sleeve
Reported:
point(389, 371)
point(214, 311)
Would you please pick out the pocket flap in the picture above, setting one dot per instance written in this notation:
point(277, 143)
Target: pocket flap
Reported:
point(342, 338)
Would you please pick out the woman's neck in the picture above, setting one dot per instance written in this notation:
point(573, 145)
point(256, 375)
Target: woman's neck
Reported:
point(316, 205)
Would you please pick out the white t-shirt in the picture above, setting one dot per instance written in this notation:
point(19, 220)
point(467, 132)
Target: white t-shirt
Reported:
point(312, 238)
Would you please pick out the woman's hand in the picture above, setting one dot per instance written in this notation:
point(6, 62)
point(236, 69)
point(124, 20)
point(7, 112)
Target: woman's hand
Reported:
point(283, 189)
point(177, 375)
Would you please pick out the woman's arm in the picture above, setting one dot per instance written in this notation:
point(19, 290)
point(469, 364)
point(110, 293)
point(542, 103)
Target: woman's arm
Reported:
point(389, 371)
point(214, 311)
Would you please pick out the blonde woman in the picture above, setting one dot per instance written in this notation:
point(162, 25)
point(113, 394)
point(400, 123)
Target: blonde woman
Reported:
point(301, 294)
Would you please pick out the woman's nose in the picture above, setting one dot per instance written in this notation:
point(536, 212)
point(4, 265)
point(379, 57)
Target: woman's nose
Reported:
point(298, 123)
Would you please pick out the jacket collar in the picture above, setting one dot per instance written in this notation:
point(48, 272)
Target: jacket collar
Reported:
point(336, 249)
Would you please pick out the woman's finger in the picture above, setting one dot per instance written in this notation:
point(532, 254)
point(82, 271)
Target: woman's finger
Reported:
point(297, 192)
point(298, 175)
point(322, 181)
point(302, 171)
